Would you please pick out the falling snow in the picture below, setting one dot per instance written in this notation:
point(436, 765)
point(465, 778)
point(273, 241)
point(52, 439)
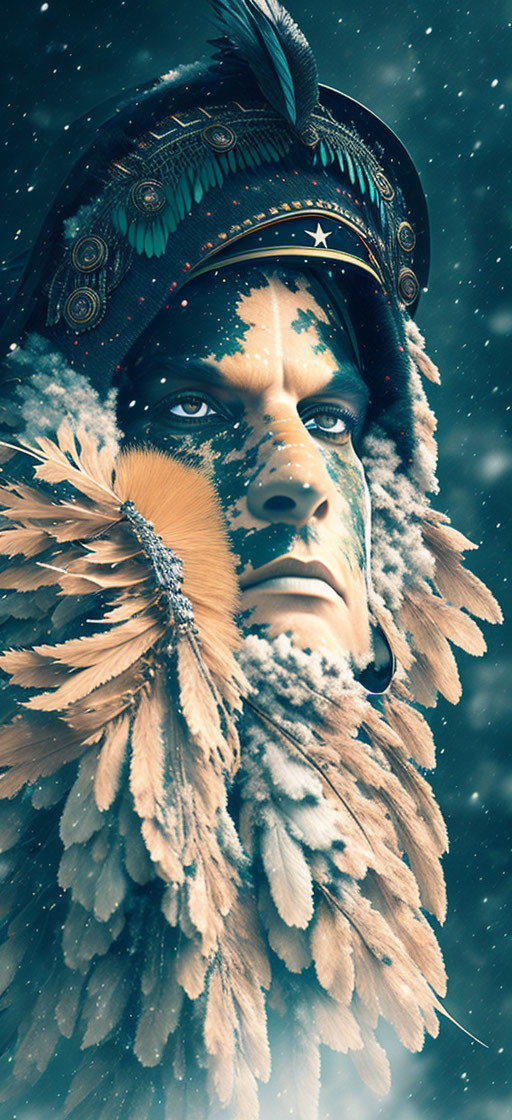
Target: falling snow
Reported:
point(441, 76)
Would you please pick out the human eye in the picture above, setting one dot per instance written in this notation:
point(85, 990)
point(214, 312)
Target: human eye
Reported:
point(329, 421)
point(190, 407)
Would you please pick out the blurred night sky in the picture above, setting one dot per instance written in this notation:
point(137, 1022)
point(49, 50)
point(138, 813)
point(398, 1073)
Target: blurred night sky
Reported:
point(441, 76)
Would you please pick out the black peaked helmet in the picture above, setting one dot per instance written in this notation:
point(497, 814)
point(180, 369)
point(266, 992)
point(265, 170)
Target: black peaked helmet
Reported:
point(237, 158)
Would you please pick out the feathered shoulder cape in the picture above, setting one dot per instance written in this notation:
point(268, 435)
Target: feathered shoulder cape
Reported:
point(205, 838)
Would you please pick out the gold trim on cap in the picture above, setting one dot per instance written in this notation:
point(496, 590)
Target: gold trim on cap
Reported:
point(284, 251)
point(334, 254)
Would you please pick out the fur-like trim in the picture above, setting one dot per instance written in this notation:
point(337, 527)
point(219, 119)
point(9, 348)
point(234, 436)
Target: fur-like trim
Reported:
point(79, 223)
point(398, 553)
point(49, 391)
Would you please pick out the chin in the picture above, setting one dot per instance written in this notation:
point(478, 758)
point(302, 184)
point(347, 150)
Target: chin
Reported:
point(323, 624)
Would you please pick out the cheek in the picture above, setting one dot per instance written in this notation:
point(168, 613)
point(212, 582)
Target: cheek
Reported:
point(233, 459)
point(352, 512)
point(229, 457)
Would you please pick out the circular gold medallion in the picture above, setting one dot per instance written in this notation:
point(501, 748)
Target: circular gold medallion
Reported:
point(408, 286)
point(148, 197)
point(89, 253)
point(406, 237)
point(82, 308)
point(384, 186)
point(219, 137)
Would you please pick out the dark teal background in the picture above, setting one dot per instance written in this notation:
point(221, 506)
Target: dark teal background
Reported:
point(440, 74)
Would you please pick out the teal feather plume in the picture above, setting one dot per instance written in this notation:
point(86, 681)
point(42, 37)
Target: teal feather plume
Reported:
point(282, 146)
point(197, 189)
point(170, 219)
point(187, 186)
point(264, 151)
point(159, 238)
point(180, 201)
point(203, 175)
point(132, 228)
point(261, 35)
point(148, 242)
point(122, 220)
point(350, 165)
point(171, 212)
point(140, 236)
point(217, 171)
point(209, 167)
point(248, 157)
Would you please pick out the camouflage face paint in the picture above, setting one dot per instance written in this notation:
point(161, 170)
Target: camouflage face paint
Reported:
point(255, 379)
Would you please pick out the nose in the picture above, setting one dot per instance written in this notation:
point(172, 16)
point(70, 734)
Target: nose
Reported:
point(292, 486)
point(288, 500)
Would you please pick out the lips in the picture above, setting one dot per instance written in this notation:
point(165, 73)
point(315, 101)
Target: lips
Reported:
point(288, 566)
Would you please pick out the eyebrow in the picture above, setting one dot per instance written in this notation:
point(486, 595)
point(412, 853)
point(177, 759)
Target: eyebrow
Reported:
point(176, 369)
point(346, 379)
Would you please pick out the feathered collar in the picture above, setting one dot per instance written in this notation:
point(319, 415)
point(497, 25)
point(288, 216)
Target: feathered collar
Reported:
point(219, 833)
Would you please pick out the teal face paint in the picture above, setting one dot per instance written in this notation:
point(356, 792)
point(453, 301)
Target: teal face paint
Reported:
point(255, 380)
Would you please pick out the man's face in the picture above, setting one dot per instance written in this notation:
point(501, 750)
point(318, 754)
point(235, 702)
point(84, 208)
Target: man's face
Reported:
point(256, 379)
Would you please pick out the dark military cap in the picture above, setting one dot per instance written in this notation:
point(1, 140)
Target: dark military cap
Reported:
point(240, 158)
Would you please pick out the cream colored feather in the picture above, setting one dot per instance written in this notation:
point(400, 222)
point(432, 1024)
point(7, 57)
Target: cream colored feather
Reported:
point(182, 505)
point(332, 952)
point(110, 762)
point(461, 588)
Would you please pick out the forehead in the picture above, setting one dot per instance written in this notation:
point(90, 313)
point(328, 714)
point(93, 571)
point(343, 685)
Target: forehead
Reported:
point(256, 324)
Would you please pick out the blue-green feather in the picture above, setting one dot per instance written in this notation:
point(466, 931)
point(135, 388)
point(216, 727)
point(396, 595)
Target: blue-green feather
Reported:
point(148, 242)
point(122, 220)
point(159, 238)
point(203, 175)
point(186, 192)
point(197, 189)
point(360, 178)
point(264, 152)
point(350, 165)
point(140, 236)
point(261, 35)
point(217, 170)
point(171, 213)
point(210, 172)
